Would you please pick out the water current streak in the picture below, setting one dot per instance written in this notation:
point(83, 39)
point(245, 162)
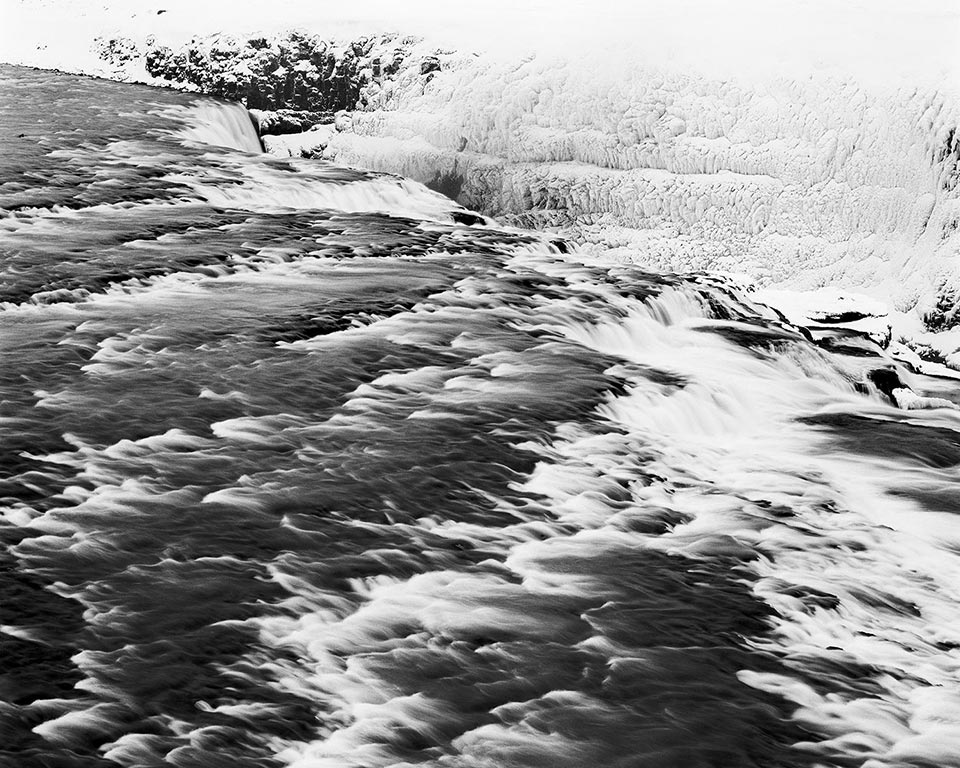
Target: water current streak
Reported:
point(299, 470)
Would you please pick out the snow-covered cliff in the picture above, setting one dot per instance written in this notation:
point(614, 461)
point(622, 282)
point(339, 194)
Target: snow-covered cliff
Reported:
point(769, 160)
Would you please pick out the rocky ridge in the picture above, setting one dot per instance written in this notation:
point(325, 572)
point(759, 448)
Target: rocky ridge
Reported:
point(292, 81)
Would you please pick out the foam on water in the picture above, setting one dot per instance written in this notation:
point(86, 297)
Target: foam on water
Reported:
point(737, 441)
point(747, 481)
point(290, 189)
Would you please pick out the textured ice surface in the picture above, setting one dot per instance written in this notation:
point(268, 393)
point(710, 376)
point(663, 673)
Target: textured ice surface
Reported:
point(799, 183)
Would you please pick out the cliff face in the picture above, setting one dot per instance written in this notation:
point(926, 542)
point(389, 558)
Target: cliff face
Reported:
point(293, 71)
point(298, 71)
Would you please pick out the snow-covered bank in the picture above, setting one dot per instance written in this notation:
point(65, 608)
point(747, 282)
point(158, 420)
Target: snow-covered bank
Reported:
point(815, 145)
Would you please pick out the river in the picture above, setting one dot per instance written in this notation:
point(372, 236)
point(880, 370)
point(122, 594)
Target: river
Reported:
point(308, 466)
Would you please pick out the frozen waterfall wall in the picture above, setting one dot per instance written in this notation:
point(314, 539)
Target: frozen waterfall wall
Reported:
point(796, 182)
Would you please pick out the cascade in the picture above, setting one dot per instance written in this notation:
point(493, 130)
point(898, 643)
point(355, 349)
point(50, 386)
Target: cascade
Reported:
point(222, 124)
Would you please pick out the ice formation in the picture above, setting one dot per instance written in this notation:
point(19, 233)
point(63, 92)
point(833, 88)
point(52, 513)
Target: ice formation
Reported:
point(797, 183)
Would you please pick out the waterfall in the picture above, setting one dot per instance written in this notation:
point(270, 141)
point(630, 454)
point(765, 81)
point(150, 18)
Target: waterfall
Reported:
point(222, 124)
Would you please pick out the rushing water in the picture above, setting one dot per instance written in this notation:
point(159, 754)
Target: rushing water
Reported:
point(307, 466)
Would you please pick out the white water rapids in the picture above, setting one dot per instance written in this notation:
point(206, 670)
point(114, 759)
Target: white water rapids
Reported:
point(310, 466)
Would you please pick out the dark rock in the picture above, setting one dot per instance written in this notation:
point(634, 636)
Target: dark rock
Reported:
point(283, 121)
point(928, 354)
point(839, 317)
point(392, 66)
point(429, 64)
point(946, 314)
point(449, 184)
point(886, 380)
point(846, 341)
point(295, 72)
point(947, 156)
point(751, 335)
point(467, 218)
point(116, 50)
point(362, 47)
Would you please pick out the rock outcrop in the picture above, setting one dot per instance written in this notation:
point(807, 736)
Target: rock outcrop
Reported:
point(300, 78)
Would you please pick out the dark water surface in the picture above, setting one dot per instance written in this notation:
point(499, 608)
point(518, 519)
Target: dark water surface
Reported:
point(298, 470)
